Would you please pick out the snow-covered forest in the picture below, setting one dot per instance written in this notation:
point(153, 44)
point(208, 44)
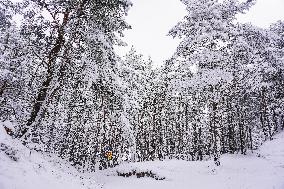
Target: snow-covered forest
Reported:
point(66, 94)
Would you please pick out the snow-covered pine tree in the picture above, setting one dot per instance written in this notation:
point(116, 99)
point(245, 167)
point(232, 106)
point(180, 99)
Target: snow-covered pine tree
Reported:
point(207, 33)
point(138, 75)
point(14, 67)
point(76, 105)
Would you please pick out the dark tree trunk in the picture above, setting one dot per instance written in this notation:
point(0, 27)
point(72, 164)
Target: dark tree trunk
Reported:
point(3, 87)
point(44, 89)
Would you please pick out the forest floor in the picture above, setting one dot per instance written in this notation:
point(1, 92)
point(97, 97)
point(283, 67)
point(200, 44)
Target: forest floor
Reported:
point(262, 169)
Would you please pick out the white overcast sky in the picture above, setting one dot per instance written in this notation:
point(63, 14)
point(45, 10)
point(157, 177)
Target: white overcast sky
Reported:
point(152, 19)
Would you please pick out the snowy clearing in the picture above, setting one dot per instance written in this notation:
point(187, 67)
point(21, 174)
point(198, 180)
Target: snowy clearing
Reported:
point(264, 169)
point(235, 172)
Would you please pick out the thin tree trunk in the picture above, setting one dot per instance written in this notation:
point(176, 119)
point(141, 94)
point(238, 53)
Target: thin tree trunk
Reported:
point(44, 89)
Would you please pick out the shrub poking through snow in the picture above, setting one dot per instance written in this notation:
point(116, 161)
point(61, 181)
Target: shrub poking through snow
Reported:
point(140, 174)
point(9, 151)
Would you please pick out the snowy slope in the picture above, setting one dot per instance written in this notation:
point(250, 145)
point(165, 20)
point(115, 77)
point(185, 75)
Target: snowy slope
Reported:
point(32, 170)
point(263, 169)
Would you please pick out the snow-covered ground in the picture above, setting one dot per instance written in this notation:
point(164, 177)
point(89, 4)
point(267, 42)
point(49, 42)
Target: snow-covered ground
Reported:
point(264, 169)
point(235, 172)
